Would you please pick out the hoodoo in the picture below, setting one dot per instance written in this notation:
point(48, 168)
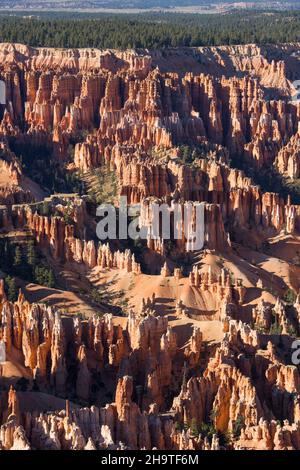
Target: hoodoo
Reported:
point(110, 340)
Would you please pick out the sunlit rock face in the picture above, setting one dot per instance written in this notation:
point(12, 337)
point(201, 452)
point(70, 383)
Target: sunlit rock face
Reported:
point(150, 344)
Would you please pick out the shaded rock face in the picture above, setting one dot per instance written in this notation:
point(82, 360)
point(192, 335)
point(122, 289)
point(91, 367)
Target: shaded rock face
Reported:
point(128, 112)
point(137, 417)
point(156, 379)
point(132, 104)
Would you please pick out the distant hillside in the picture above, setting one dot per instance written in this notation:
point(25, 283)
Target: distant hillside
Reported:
point(179, 5)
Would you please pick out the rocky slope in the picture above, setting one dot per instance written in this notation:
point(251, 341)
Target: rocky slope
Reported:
point(191, 349)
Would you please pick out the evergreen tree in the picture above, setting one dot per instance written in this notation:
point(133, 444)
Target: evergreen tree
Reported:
point(5, 257)
point(44, 276)
point(31, 257)
point(154, 30)
point(11, 288)
point(238, 425)
point(18, 257)
point(194, 427)
point(51, 279)
point(39, 275)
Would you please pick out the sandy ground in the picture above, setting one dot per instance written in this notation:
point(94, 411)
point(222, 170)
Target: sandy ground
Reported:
point(276, 275)
point(31, 401)
point(4, 176)
point(26, 184)
point(42, 402)
point(126, 290)
point(69, 302)
point(211, 330)
point(34, 188)
point(117, 288)
point(12, 370)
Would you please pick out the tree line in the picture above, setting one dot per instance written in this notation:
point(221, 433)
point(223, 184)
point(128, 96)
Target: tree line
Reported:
point(23, 261)
point(152, 31)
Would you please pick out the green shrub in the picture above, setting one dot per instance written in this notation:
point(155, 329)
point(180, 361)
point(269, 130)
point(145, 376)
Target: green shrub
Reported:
point(11, 289)
point(238, 425)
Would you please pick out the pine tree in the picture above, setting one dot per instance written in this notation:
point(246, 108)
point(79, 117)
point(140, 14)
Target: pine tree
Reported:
point(51, 279)
point(194, 427)
point(18, 256)
point(31, 257)
point(6, 256)
point(11, 288)
point(38, 275)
